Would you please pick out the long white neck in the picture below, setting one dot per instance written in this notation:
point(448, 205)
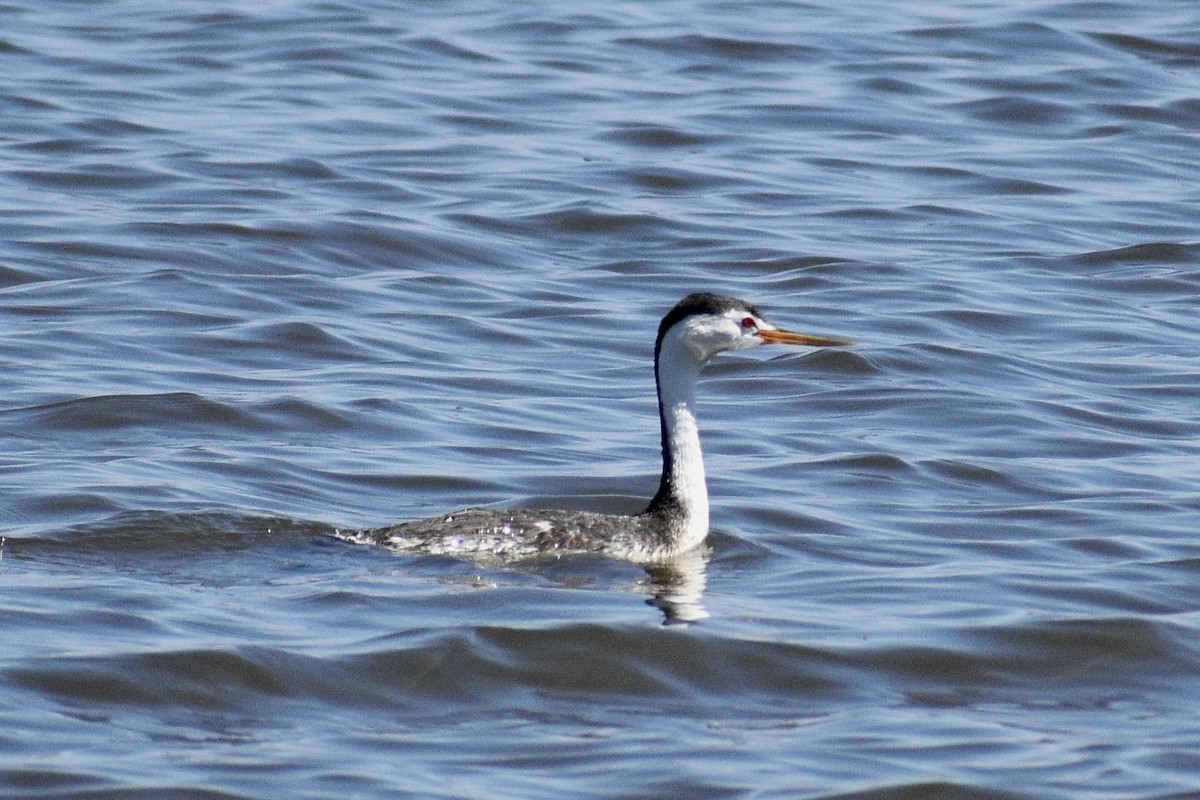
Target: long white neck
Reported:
point(682, 491)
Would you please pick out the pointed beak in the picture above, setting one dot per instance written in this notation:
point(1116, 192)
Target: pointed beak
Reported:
point(776, 336)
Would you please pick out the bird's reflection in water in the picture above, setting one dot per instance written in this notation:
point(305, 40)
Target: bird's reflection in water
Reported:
point(676, 587)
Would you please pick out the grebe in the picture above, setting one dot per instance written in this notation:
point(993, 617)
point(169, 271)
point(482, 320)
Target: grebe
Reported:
point(699, 327)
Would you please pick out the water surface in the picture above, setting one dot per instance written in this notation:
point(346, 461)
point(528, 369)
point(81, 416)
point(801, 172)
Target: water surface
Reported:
point(269, 271)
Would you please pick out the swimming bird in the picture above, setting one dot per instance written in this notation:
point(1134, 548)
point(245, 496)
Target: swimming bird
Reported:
point(697, 328)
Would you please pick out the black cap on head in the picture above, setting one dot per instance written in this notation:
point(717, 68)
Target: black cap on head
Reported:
point(701, 303)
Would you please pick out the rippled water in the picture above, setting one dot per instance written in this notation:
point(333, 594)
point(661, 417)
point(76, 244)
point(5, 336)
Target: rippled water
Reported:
point(270, 270)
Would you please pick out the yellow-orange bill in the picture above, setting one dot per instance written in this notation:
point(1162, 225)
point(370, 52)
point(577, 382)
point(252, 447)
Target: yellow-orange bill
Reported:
point(787, 337)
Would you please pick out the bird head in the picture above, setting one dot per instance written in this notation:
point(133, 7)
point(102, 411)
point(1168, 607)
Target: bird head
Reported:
point(705, 324)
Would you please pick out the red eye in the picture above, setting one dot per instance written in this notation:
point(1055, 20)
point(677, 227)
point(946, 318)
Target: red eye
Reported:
point(748, 323)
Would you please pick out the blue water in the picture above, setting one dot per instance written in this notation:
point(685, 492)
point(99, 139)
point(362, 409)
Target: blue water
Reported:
point(268, 271)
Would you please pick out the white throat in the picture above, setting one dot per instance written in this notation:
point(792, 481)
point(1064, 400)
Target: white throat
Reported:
point(678, 369)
